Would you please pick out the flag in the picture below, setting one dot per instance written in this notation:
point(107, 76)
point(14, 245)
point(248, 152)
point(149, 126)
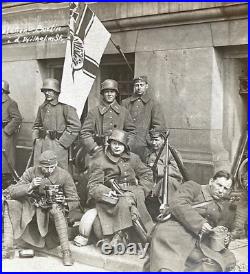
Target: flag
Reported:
point(86, 43)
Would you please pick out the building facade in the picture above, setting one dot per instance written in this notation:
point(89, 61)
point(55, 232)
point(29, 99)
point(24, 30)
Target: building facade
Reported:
point(194, 54)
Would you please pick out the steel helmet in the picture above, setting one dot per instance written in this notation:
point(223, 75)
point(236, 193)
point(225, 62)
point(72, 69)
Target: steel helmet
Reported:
point(109, 84)
point(5, 86)
point(52, 84)
point(119, 136)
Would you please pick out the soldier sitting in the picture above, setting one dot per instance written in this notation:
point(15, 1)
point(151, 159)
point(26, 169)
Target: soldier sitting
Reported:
point(196, 236)
point(37, 216)
point(118, 184)
point(157, 139)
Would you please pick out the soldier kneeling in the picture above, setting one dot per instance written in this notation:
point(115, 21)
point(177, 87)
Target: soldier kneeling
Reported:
point(118, 184)
point(35, 208)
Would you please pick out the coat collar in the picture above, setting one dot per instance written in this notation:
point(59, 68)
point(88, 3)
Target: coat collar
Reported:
point(125, 156)
point(145, 98)
point(206, 191)
point(5, 97)
point(104, 107)
point(53, 102)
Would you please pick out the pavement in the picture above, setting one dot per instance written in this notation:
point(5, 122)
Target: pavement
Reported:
point(90, 259)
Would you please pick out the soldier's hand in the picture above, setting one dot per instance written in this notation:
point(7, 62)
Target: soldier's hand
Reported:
point(36, 182)
point(206, 228)
point(227, 239)
point(59, 198)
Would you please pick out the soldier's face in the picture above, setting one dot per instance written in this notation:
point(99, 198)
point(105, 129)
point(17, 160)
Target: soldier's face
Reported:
point(48, 170)
point(140, 87)
point(50, 95)
point(109, 95)
point(116, 147)
point(157, 142)
point(220, 187)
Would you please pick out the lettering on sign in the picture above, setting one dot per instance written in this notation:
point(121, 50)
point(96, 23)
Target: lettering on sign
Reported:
point(39, 34)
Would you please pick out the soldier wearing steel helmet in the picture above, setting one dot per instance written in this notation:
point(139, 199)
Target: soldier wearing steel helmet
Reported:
point(113, 223)
point(104, 118)
point(57, 125)
point(11, 121)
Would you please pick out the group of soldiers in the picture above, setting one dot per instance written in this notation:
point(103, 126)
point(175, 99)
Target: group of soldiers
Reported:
point(128, 162)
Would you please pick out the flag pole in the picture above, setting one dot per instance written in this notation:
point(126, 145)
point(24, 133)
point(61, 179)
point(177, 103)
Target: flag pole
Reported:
point(123, 55)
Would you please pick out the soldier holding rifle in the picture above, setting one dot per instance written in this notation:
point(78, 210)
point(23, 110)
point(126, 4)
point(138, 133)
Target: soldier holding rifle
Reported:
point(156, 159)
point(35, 210)
point(118, 185)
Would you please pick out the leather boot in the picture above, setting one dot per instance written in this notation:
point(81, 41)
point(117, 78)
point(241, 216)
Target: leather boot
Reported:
point(67, 258)
point(62, 231)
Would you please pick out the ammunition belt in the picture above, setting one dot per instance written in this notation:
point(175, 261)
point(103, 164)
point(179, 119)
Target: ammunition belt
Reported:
point(52, 134)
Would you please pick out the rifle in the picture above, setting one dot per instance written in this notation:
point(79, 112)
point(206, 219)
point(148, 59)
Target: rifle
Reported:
point(31, 158)
point(14, 174)
point(138, 225)
point(239, 155)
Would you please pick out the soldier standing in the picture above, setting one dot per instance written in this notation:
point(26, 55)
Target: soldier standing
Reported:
point(28, 215)
point(57, 125)
point(11, 121)
point(146, 114)
point(106, 117)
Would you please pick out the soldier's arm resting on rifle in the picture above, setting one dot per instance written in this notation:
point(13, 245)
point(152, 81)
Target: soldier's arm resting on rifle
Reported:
point(96, 185)
point(24, 186)
point(181, 207)
point(144, 175)
point(73, 127)
point(15, 119)
point(87, 132)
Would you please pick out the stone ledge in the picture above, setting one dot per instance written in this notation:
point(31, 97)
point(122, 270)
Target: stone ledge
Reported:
point(92, 256)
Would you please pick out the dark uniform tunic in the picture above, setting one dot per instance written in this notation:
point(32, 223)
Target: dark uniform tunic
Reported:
point(62, 119)
point(174, 240)
point(102, 120)
point(32, 224)
point(146, 114)
point(11, 121)
point(131, 174)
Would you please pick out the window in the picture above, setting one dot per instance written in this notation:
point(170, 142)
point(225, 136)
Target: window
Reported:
point(113, 66)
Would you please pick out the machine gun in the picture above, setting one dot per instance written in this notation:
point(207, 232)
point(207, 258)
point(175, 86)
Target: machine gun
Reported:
point(53, 194)
point(138, 225)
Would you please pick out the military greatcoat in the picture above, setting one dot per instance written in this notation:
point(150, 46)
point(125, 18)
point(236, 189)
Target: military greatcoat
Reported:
point(175, 177)
point(32, 224)
point(59, 117)
point(102, 120)
point(174, 240)
point(146, 114)
point(11, 121)
point(131, 174)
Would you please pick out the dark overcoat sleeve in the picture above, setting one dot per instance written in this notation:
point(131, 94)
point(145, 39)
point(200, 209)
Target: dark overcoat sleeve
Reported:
point(181, 207)
point(37, 124)
point(143, 173)
point(15, 119)
point(96, 185)
point(21, 189)
point(69, 190)
point(73, 126)
point(157, 117)
point(88, 131)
